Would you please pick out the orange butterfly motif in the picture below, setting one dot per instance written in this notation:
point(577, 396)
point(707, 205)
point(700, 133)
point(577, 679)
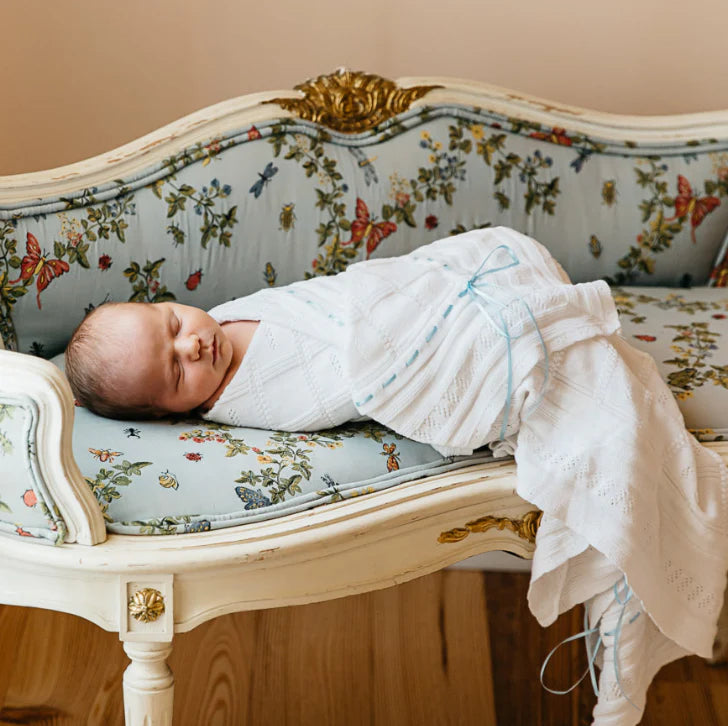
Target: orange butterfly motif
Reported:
point(686, 203)
point(34, 263)
point(363, 227)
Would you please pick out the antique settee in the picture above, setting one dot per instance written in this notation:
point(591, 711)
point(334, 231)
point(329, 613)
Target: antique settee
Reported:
point(151, 528)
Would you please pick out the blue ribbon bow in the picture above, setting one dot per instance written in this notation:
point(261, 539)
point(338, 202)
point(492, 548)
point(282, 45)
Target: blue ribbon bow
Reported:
point(627, 594)
point(476, 288)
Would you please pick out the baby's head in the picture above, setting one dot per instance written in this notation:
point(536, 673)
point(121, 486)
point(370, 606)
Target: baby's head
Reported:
point(144, 360)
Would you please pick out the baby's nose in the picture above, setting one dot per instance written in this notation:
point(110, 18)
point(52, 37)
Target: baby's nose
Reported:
point(189, 346)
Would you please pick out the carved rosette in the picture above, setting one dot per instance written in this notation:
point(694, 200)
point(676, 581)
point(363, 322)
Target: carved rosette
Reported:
point(146, 605)
point(351, 101)
point(525, 528)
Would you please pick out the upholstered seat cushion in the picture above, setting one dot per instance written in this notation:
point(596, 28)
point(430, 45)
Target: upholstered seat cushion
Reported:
point(187, 475)
point(686, 332)
point(179, 476)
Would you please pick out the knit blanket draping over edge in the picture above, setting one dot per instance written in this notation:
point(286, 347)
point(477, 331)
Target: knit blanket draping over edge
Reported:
point(455, 346)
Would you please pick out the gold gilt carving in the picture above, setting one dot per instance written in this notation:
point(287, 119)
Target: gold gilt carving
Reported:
point(351, 101)
point(146, 605)
point(525, 528)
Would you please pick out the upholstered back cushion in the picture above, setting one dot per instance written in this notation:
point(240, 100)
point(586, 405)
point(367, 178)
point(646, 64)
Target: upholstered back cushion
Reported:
point(276, 202)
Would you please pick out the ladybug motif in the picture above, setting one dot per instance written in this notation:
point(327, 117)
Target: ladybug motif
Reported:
point(193, 280)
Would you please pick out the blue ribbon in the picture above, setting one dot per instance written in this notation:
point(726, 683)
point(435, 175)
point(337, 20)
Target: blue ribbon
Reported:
point(476, 288)
point(592, 654)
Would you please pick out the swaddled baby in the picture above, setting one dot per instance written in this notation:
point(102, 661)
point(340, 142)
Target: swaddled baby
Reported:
point(144, 360)
point(281, 358)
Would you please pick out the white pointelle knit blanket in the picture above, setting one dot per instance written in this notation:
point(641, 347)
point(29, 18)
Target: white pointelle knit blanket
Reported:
point(626, 491)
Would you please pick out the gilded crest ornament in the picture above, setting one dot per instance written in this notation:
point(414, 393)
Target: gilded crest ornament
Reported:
point(525, 528)
point(351, 101)
point(146, 605)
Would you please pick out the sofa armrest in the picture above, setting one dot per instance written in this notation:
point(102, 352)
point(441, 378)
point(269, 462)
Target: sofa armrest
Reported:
point(40, 480)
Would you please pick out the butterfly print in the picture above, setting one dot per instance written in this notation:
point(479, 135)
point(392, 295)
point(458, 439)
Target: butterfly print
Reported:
point(252, 498)
point(34, 263)
point(363, 227)
point(392, 456)
point(688, 204)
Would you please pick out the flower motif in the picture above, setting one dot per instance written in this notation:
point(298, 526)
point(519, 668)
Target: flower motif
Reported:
point(556, 136)
point(477, 132)
point(431, 221)
point(104, 262)
point(29, 498)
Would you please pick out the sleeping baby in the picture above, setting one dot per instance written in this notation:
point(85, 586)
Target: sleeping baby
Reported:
point(416, 342)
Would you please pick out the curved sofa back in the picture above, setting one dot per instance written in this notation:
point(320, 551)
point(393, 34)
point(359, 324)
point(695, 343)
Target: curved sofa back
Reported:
point(279, 198)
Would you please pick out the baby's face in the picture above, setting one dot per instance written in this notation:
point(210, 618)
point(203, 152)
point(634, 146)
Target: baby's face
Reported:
point(176, 355)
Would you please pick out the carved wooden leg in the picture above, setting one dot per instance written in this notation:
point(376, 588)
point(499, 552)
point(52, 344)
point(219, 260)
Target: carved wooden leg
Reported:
point(148, 685)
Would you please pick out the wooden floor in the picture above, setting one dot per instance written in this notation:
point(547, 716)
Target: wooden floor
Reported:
point(419, 654)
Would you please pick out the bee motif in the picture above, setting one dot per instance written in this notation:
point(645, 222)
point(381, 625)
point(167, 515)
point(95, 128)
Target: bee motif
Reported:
point(105, 454)
point(595, 246)
point(392, 456)
point(168, 480)
point(252, 499)
point(609, 192)
point(287, 217)
point(270, 274)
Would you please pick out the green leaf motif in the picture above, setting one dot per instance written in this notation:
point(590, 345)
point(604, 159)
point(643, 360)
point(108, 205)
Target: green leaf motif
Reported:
point(6, 446)
point(6, 411)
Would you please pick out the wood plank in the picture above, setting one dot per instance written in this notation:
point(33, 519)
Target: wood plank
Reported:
point(417, 654)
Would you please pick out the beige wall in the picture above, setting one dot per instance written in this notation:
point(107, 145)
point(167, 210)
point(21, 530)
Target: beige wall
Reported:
point(83, 76)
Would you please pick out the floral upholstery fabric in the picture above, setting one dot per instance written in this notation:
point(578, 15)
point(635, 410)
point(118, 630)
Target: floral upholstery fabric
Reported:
point(686, 332)
point(177, 476)
point(273, 203)
point(285, 200)
point(26, 507)
point(189, 475)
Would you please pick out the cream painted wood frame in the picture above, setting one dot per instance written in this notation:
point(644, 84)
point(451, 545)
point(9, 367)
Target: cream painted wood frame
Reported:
point(344, 548)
